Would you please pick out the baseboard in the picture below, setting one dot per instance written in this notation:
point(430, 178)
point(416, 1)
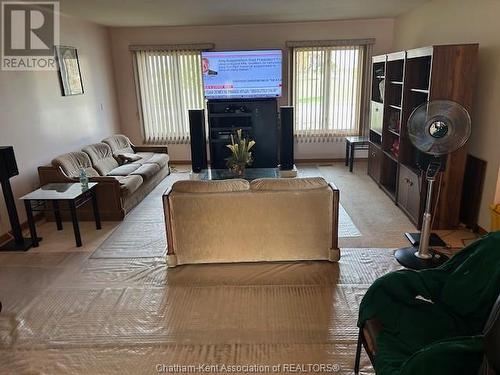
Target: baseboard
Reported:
point(481, 230)
point(323, 161)
point(24, 226)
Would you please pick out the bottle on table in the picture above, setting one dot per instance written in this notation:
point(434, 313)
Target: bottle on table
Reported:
point(84, 179)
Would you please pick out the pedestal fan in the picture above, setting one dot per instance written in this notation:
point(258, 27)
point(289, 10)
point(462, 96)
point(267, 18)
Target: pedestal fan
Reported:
point(436, 128)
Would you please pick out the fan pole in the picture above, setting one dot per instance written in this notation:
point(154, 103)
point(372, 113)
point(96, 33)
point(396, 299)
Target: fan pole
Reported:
point(423, 258)
point(423, 246)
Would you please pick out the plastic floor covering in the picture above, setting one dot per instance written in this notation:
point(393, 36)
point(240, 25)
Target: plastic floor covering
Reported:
point(65, 313)
point(121, 311)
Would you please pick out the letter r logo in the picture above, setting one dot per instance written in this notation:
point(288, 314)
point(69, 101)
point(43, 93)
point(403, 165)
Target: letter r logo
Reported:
point(29, 28)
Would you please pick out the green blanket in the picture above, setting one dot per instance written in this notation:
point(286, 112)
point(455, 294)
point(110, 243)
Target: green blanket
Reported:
point(433, 319)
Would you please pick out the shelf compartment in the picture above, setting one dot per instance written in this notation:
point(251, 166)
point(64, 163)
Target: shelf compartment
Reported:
point(231, 128)
point(391, 156)
point(375, 137)
point(231, 114)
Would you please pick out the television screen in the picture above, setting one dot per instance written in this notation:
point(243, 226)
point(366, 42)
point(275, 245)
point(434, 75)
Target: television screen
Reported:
point(242, 74)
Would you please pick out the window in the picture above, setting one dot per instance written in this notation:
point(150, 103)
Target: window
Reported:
point(327, 90)
point(169, 84)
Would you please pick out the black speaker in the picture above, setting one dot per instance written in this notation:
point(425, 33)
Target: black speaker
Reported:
point(198, 139)
point(286, 138)
point(8, 165)
point(8, 169)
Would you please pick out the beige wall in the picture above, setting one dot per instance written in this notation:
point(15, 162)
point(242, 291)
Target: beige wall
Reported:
point(497, 194)
point(466, 21)
point(263, 36)
point(40, 123)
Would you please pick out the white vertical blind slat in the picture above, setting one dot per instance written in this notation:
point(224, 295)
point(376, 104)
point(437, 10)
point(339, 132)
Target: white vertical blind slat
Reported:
point(169, 84)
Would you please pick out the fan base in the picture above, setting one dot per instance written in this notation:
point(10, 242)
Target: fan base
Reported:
point(434, 240)
point(407, 258)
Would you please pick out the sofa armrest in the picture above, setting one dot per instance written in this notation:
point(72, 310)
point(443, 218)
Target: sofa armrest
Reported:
point(335, 214)
point(333, 186)
point(156, 149)
point(104, 179)
point(168, 221)
point(49, 174)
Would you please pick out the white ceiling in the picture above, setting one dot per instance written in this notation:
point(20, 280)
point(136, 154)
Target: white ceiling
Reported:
point(224, 12)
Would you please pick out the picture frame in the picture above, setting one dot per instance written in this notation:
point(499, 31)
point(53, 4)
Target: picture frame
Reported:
point(70, 76)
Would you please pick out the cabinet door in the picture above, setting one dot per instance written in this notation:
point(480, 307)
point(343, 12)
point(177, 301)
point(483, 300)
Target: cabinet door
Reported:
point(413, 205)
point(409, 193)
point(374, 162)
point(403, 188)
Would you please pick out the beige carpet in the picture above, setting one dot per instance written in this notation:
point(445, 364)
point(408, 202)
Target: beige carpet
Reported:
point(380, 222)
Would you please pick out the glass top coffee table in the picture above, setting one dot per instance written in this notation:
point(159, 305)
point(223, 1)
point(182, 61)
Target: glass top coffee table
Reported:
point(225, 174)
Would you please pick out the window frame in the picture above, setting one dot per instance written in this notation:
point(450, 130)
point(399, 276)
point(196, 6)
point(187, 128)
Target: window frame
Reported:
point(367, 51)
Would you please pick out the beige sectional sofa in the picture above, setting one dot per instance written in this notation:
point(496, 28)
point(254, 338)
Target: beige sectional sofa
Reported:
point(126, 173)
point(265, 220)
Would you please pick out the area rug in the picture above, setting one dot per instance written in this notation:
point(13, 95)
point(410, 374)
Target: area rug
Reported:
point(142, 233)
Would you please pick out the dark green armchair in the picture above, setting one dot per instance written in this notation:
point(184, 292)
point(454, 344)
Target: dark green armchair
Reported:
point(432, 321)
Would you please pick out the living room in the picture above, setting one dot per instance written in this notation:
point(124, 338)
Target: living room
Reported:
point(159, 262)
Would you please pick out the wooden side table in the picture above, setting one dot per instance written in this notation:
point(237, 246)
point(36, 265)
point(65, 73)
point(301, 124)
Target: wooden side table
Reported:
point(71, 195)
point(352, 144)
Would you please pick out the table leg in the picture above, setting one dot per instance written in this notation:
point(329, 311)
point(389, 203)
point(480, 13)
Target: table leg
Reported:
point(57, 214)
point(346, 153)
point(31, 222)
point(351, 158)
point(76, 227)
point(95, 208)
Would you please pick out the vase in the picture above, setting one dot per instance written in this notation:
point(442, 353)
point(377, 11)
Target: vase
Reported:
point(239, 170)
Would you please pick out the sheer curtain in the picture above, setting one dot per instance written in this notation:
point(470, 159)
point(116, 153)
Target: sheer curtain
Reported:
point(169, 83)
point(327, 90)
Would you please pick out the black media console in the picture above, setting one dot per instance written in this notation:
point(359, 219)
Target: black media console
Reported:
point(258, 119)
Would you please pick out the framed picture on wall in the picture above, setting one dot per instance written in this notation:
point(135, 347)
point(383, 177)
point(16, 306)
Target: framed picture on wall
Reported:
point(69, 70)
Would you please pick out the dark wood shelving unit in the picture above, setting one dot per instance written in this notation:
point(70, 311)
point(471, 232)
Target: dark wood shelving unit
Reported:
point(401, 82)
point(258, 120)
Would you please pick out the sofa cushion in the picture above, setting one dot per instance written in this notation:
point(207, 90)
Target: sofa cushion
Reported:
point(72, 162)
point(119, 143)
point(129, 184)
point(124, 170)
point(145, 155)
point(146, 170)
point(160, 159)
point(216, 186)
point(125, 157)
point(151, 157)
point(102, 158)
point(266, 184)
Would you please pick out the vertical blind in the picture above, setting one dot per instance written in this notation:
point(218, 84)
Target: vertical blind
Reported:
point(327, 90)
point(169, 84)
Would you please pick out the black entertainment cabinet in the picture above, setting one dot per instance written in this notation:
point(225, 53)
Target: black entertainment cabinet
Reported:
point(258, 119)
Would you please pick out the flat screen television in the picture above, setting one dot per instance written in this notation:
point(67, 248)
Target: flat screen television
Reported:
point(242, 74)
